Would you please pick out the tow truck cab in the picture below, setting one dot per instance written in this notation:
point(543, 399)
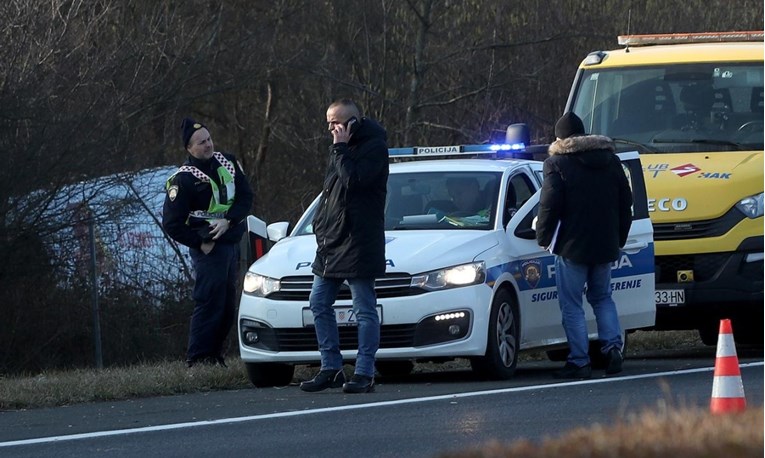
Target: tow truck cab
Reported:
point(692, 105)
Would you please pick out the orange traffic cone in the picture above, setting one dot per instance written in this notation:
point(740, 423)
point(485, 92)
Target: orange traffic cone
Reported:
point(727, 389)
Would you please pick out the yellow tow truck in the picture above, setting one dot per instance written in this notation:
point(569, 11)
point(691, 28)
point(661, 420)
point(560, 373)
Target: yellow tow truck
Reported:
point(692, 106)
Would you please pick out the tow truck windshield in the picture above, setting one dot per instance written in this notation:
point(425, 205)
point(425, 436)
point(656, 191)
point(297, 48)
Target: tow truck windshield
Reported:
point(698, 107)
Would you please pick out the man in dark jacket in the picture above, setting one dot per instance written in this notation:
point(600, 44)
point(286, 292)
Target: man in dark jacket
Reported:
point(585, 209)
point(207, 201)
point(350, 233)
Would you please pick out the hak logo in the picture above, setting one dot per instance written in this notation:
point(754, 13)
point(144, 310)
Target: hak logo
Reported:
point(683, 170)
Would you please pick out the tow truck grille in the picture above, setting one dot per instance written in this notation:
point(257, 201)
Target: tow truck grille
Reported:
point(704, 266)
point(298, 288)
point(698, 229)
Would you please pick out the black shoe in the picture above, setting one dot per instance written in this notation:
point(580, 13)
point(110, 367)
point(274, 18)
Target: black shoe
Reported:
point(359, 384)
point(571, 370)
point(614, 360)
point(332, 378)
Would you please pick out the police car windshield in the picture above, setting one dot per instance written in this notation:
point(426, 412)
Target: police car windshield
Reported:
point(436, 200)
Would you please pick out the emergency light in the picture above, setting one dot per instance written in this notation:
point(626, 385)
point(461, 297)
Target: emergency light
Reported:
point(676, 38)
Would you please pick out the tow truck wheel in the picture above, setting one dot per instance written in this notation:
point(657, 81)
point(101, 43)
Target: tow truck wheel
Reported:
point(503, 340)
point(264, 375)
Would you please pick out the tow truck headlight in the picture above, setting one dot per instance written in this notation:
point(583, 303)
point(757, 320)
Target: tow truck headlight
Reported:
point(259, 285)
point(451, 277)
point(751, 206)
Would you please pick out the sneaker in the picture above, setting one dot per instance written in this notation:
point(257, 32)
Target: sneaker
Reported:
point(359, 384)
point(614, 360)
point(571, 370)
point(330, 378)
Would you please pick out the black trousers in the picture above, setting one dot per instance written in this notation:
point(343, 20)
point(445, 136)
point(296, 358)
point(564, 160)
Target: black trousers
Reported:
point(215, 281)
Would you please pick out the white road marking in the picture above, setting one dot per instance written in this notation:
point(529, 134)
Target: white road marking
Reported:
point(224, 421)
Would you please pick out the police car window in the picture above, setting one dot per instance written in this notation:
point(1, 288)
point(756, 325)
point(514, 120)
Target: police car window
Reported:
point(442, 200)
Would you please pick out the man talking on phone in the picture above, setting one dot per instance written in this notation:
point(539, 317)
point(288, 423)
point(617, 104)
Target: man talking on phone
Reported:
point(350, 236)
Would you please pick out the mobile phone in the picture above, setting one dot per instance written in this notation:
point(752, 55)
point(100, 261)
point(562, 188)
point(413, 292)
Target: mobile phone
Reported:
point(352, 124)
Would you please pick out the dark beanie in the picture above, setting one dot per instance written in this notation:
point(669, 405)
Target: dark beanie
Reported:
point(569, 125)
point(188, 127)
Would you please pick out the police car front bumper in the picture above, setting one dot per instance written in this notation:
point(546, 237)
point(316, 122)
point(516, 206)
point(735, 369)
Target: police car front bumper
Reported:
point(448, 323)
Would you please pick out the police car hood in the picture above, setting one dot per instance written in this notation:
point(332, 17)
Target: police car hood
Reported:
point(410, 252)
point(699, 186)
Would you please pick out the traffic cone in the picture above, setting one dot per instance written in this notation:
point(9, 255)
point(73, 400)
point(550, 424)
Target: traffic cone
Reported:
point(727, 389)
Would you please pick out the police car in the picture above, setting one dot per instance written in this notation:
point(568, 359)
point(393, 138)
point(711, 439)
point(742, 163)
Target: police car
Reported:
point(458, 284)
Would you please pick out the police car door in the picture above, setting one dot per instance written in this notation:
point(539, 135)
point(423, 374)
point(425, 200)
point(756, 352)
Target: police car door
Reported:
point(632, 274)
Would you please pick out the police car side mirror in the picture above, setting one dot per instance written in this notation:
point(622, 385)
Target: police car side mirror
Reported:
point(277, 231)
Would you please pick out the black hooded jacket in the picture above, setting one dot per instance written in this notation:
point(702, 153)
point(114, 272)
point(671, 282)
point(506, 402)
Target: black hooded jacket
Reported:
point(350, 221)
point(584, 188)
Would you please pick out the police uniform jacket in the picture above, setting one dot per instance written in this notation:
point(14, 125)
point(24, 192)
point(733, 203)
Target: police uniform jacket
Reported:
point(350, 222)
point(194, 194)
point(586, 189)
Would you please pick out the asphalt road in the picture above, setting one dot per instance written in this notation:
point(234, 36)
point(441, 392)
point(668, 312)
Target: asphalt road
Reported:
point(420, 415)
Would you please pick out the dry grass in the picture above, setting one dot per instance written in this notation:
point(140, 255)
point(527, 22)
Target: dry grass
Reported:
point(172, 377)
point(677, 433)
point(88, 385)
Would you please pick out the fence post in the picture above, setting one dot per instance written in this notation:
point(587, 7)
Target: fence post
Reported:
point(94, 293)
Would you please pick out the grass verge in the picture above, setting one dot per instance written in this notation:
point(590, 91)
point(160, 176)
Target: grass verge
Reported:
point(677, 433)
point(173, 377)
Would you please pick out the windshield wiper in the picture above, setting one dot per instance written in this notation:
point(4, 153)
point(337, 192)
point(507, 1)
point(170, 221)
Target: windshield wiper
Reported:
point(645, 148)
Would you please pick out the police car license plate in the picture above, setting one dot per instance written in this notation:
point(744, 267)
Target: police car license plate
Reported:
point(669, 296)
point(344, 316)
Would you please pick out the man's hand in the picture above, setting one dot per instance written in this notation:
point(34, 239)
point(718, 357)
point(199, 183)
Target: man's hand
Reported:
point(341, 133)
point(218, 227)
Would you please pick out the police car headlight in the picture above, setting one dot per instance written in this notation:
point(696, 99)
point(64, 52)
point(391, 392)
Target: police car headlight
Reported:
point(751, 206)
point(452, 277)
point(258, 285)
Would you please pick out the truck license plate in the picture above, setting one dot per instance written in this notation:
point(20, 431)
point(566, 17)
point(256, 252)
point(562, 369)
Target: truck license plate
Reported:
point(670, 296)
point(344, 316)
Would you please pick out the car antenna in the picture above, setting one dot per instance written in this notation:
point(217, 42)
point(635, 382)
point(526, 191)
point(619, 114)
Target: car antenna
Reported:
point(629, 18)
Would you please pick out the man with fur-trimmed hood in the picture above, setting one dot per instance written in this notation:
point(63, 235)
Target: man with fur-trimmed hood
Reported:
point(587, 200)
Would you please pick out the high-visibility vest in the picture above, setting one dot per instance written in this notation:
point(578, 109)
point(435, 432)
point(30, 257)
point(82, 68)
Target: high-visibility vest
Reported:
point(222, 197)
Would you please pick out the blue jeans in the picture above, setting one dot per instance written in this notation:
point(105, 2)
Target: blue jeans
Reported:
point(323, 295)
point(570, 279)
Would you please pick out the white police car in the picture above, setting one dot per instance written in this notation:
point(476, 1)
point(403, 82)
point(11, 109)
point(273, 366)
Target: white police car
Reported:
point(473, 285)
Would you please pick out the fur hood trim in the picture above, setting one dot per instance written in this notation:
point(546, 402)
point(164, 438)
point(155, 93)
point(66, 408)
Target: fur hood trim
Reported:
point(581, 143)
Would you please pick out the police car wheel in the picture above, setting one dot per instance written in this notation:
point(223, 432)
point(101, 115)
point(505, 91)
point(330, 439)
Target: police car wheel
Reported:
point(394, 368)
point(503, 340)
point(264, 375)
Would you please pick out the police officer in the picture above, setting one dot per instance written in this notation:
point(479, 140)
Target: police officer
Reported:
point(207, 200)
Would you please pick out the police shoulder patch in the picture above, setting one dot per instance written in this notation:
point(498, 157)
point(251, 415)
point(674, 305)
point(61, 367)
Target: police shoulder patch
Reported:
point(172, 192)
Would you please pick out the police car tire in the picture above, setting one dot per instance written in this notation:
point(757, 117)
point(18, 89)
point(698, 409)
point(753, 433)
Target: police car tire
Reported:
point(503, 341)
point(264, 375)
point(394, 368)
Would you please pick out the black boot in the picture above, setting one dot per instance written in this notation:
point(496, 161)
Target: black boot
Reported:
point(359, 384)
point(331, 378)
